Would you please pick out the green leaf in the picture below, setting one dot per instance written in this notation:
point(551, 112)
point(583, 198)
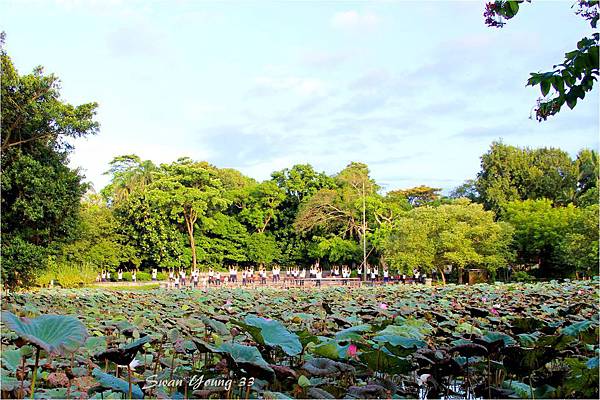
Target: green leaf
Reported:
point(353, 333)
point(303, 381)
point(111, 382)
point(245, 356)
point(383, 360)
point(274, 334)
point(592, 362)
point(11, 359)
point(215, 325)
point(57, 334)
point(8, 382)
point(576, 328)
point(558, 84)
point(545, 87)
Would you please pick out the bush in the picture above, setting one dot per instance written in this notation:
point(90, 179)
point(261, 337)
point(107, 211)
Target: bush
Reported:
point(65, 275)
point(522, 276)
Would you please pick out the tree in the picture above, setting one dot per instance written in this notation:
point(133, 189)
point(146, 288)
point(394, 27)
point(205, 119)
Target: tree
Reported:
point(129, 174)
point(189, 191)
point(151, 231)
point(510, 173)
point(569, 80)
point(259, 204)
point(460, 234)
point(467, 190)
point(40, 193)
point(222, 239)
point(559, 240)
point(588, 176)
point(262, 248)
point(299, 183)
point(99, 243)
point(579, 246)
point(420, 195)
point(539, 230)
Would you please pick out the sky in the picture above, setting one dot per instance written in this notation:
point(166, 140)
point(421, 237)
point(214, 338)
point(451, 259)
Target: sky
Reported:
point(418, 90)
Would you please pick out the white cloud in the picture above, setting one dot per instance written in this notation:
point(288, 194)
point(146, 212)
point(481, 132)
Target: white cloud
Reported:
point(301, 86)
point(325, 59)
point(354, 21)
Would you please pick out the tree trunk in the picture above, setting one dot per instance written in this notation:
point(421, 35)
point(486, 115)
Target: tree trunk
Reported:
point(443, 277)
point(460, 275)
point(190, 220)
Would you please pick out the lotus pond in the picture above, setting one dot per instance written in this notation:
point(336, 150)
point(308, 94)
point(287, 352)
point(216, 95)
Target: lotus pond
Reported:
point(483, 341)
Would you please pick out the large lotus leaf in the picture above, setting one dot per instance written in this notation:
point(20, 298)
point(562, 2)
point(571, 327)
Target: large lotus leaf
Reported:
point(274, 334)
point(11, 359)
point(247, 357)
point(7, 381)
point(306, 337)
point(326, 367)
point(383, 360)
point(524, 391)
point(111, 382)
point(331, 348)
point(58, 393)
point(353, 333)
point(267, 395)
point(137, 344)
point(56, 334)
point(495, 336)
point(527, 324)
point(316, 393)
point(401, 341)
point(215, 325)
point(578, 327)
point(407, 331)
point(95, 344)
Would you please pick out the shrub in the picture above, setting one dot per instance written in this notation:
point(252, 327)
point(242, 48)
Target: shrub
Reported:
point(66, 275)
point(522, 276)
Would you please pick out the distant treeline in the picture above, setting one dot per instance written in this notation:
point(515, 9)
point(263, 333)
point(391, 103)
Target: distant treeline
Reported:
point(525, 208)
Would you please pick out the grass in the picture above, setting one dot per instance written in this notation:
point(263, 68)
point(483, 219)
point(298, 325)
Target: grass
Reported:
point(140, 288)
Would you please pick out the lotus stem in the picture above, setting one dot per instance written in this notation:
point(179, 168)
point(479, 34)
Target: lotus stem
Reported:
point(129, 381)
point(21, 393)
point(172, 365)
point(35, 368)
point(489, 372)
point(531, 387)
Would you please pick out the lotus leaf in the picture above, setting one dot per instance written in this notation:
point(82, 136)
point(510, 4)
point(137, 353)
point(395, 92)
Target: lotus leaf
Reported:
point(57, 334)
point(111, 382)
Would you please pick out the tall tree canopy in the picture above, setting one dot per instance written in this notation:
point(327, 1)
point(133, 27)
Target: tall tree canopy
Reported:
point(460, 234)
point(40, 193)
point(510, 173)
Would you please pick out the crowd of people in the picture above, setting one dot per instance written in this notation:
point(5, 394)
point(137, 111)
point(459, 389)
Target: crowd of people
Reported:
point(179, 278)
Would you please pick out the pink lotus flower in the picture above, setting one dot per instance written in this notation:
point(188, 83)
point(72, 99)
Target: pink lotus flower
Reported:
point(580, 291)
point(352, 349)
point(484, 299)
point(494, 311)
point(383, 306)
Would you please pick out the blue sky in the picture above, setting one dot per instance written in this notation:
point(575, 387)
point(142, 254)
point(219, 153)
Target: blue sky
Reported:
point(417, 90)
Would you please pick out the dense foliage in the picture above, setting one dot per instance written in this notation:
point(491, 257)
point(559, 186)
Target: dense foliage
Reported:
point(485, 341)
point(575, 76)
point(40, 194)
